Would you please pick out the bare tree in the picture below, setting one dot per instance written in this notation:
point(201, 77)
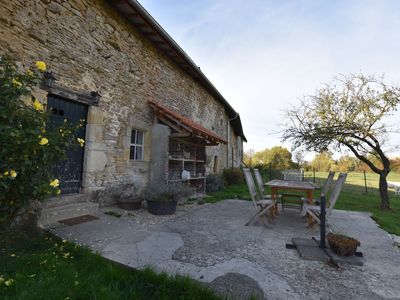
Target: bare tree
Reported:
point(299, 158)
point(348, 112)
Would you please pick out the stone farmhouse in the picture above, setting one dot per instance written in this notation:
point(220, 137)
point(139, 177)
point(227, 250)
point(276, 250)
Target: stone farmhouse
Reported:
point(150, 112)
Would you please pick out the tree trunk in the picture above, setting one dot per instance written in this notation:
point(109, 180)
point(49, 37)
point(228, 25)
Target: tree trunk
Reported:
point(383, 190)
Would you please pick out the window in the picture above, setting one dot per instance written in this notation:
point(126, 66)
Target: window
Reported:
point(215, 165)
point(137, 143)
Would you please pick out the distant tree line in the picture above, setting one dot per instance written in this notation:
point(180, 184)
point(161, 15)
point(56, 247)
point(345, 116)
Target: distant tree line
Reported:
point(281, 158)
point(277, 157)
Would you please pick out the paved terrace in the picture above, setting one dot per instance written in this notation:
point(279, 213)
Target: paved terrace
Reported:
point(209, 243)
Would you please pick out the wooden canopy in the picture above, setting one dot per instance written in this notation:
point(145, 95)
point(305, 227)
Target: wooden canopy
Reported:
point(184, 125)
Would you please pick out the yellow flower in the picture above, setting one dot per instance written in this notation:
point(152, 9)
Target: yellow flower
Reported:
point(81, 141)
point(29, 73)
point(55, 183)
point(13, 174)
point(9, 282)
point(58, 192)
point(37, 105)
point(16, 83)
point(43, 141)
point(41, 65)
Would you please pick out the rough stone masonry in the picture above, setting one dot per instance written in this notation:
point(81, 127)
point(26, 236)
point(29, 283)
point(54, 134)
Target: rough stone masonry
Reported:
point(90, 47)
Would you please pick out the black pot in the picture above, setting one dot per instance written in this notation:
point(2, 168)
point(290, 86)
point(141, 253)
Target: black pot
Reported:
point(162, 207)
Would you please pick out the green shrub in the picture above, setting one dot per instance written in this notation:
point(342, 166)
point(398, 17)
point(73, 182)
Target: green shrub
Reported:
point(214, 183)
point(28, 151)
point(167, 192)
point(232, 176)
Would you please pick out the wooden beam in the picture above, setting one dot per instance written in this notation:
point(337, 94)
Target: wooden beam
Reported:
point(171, 124)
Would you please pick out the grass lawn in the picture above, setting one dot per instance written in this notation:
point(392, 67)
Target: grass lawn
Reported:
point(237, 191)
point(353, 197)
point(46, 268)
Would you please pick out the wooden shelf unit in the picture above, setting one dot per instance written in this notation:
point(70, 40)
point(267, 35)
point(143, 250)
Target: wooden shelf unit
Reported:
point(187, 154)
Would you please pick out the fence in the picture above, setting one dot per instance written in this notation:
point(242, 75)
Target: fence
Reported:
point(361, 182)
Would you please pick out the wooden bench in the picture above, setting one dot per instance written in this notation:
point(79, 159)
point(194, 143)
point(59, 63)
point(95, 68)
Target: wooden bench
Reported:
point(395, 186)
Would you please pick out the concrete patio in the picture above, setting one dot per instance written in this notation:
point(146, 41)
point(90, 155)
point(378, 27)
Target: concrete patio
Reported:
point(211, 244)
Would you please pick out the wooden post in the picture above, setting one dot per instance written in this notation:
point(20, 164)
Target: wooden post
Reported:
point(314, 175)
point(365, 183)
point(322, 224)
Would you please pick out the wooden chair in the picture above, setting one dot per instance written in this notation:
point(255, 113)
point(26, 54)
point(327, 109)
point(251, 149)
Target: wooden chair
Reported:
point(325, 190)
point(261, 188)
point(314, 211)
point(260, 183)
point(265, 206)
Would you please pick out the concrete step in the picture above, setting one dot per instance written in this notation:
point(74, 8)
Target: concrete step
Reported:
point(66, 199)
point(51, 215)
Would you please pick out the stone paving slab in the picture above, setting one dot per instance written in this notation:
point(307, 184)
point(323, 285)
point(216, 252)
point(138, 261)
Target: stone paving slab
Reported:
point(308, 249)
point(211, 241)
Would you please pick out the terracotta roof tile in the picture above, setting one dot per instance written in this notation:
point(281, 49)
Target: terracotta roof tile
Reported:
point(195, 127)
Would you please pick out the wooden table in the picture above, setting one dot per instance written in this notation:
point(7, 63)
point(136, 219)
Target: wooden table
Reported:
point(302, 186)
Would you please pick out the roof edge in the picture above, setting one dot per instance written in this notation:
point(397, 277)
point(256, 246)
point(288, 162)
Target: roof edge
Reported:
point(189, 66)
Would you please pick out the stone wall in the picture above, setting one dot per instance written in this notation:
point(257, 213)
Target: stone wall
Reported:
point(89, 47)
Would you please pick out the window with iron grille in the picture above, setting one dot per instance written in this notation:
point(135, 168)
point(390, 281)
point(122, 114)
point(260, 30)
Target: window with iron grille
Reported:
point(137, 145)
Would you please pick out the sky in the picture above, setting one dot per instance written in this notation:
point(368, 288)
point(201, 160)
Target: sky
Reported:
point(263, 56)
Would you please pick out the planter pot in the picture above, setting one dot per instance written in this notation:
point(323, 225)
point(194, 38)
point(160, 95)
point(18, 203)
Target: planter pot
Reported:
point(162, 207)
point(132, 205)
point(342, 245)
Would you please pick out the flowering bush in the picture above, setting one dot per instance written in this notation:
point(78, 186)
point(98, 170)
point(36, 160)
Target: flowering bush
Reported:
point(28, 151)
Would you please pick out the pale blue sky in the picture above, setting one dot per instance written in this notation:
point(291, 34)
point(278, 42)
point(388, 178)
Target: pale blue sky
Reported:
point(264, 55)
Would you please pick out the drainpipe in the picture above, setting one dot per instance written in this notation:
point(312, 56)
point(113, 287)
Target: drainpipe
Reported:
point(229, 139)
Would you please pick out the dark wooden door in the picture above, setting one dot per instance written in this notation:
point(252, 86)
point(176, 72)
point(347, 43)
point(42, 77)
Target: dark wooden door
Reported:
point(68, 171)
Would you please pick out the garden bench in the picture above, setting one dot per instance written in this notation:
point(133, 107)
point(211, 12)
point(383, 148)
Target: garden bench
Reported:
point(395, 186)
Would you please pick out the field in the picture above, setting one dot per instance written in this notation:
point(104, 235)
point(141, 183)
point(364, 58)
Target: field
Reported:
point(353, 197)
point(355, 181)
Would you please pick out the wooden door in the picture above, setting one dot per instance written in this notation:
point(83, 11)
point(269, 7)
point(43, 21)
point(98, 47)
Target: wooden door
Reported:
point(68, 171)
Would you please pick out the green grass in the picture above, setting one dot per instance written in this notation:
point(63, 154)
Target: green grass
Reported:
point(237, 191)
point(355, 180)
point(42, 267)
point(353, 197)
